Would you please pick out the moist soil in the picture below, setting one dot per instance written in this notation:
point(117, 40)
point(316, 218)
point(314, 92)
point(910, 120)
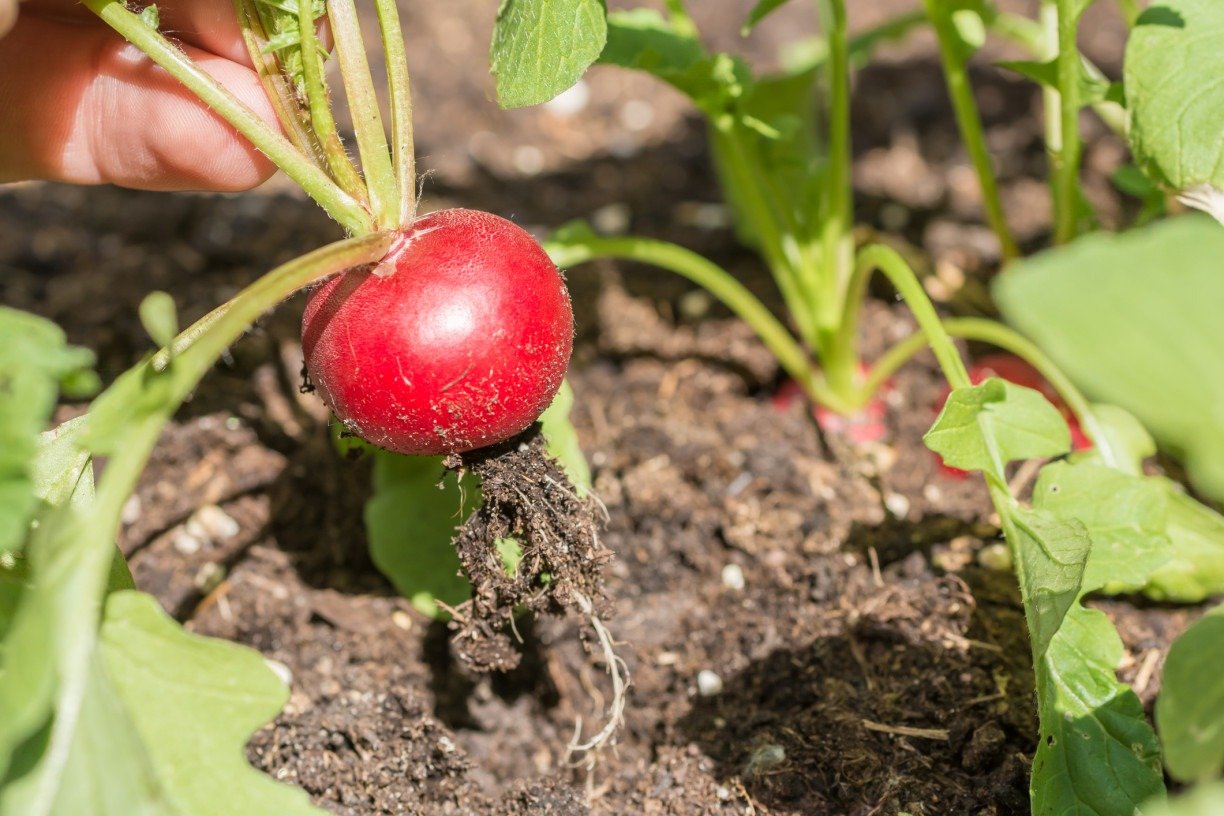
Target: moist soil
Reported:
point(805, 619)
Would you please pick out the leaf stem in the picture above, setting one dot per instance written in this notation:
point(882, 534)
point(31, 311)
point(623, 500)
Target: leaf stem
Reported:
point(970, 123)
point(276, 86)
point(1070, 147)
point(403, 147)
point(298, 166)
point(380, 177)
point(318, 98)
point(718, 282)
point(1008, 339)
point(889, 261)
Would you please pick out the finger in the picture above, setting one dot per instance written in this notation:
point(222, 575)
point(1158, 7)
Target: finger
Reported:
point(210, 25)
point(8, 15)
point(101, 112)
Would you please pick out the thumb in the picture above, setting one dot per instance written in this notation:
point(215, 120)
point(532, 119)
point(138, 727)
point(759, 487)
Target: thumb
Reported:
point(8, 15)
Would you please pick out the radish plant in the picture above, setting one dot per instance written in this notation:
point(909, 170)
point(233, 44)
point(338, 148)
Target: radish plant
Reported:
point(107, 706)
point(1096, 521)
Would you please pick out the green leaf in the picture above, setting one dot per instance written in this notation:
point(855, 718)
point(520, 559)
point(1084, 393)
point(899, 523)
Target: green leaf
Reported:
point(1194, 570)
point(562, 438)
point(1172, 72)
point(159, 318)
point(542, 47)
point(1051, 555)
point(1096, 754)
point(759, 12)
point(1204, 800)
point(1134, 320)
point(194, 702)
point(281, 23)
point(410, 519)
point(1190, 708)
point(985, 426)
point(1125, 516)
point(1092, 88)
point(35, 361)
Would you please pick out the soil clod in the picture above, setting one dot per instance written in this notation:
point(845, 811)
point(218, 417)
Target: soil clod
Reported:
point(527, 498)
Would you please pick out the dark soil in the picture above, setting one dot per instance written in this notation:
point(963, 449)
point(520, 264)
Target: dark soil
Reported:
point(805, 620)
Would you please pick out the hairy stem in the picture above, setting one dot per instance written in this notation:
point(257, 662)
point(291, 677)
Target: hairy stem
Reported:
point(318, 99)
point(403, 147)
point(376, 165)
point(298, 166)
point(1070, 147)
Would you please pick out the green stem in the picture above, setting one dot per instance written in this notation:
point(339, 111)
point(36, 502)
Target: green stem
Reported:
point(298, 166)
point(1001, 336)
point(381, 180)
point(970, 123)
point(404, 150)
point(763, 218)
point(319, 100)
point(276, 86)
point(889, 261)
point(837, 250)
point(1131, 9)
point(1067, 155)
point(719, 283)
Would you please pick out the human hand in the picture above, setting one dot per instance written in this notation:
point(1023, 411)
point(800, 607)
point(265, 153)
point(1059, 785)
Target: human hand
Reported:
point(78, 104)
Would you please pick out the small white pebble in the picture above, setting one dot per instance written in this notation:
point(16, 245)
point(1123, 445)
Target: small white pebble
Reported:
point(209, 577)
point(722, 793)
point(186, 544)
point(402, 620)
point(897, 504)
point(280, 670)
point(210, 523)
point(637, 114)
point(733, 577)
point(709, 684)
point(446, 745)
point(612, 219)
point(131, 510)
point(995, 557)
point(528, 160)
point(571, 101)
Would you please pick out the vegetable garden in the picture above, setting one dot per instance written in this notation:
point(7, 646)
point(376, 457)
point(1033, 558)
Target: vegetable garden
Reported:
point(884, 477)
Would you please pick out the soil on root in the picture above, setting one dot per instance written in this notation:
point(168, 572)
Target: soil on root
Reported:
point(527, 498)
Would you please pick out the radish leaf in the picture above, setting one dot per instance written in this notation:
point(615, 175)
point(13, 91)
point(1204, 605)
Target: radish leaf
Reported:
point(1205, 800)
point(985, 426)
point(542, 47)
point(1114, 310)
point(1172, 71)
point(1191, 699)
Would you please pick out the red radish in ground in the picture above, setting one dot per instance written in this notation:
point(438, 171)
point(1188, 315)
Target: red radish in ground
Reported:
point(459, 340)
point(1015, 370)
point(868, 424)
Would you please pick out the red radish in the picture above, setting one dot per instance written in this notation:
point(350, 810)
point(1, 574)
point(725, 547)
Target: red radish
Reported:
point(458, 341)
point(868, 424)
point(1015, 370)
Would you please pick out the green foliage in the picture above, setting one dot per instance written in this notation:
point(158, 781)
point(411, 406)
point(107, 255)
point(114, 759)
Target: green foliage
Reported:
point(35, 363)
point(190, 697)
point(1173, 63)
point(281, 23)
point(159, 318)
point(416, 506)
point(759, 12)
point(1190, 709)
point(1134, 319)
point(412, 515)
point(542, 47)
point(1204, 800)
point(988, 425)
point(1089, 527)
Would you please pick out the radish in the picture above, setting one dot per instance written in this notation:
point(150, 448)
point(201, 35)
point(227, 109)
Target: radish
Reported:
point(458, 340)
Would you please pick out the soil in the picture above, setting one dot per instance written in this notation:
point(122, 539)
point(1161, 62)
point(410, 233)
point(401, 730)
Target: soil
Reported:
point(805, 620)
